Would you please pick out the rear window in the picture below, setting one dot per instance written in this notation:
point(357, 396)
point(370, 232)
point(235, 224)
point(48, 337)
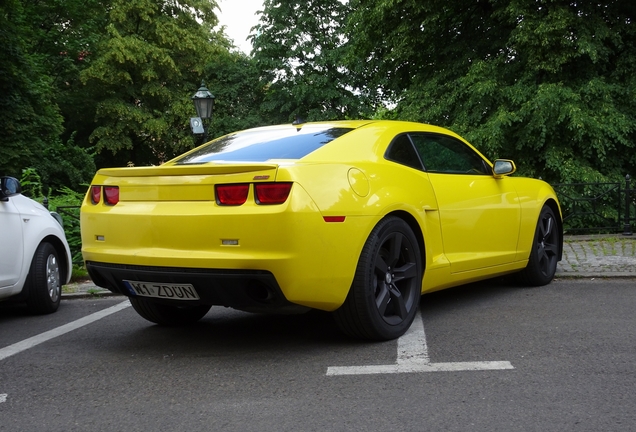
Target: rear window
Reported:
point(263, 144)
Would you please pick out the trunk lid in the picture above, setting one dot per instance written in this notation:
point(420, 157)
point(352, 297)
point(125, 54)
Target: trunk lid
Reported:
point(182, 182)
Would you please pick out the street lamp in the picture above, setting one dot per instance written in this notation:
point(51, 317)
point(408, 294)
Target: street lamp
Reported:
point(204, 104)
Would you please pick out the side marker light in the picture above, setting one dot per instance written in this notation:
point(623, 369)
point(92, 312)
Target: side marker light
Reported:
point(334, 218)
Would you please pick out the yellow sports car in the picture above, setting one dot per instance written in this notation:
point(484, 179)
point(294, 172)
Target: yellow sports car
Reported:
point(354, 217)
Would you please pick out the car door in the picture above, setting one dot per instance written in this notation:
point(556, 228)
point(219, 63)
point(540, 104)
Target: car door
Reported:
point(11, 247)
point(479, 214)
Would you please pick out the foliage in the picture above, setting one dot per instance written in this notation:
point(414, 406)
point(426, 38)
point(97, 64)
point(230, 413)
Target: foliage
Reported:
point(298, 47)
point(29, 119)
point(92, 83)
point(65, 201)
point(144, 71)
point(79, 273)
point(548, 83)
point(65, 35)
point(39, 39)
point(66, 165)
point(31, 183)
point(234, 80)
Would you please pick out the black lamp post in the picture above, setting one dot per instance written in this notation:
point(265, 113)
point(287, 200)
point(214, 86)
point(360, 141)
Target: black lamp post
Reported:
point(204, 104)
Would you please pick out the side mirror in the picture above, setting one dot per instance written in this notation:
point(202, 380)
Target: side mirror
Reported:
point(503, 167)
point(9, 187)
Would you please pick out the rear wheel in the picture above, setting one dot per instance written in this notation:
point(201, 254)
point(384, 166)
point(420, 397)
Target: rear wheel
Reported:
point(168, 315)
point(44, 282)
point(385, 293)
point(544, 255)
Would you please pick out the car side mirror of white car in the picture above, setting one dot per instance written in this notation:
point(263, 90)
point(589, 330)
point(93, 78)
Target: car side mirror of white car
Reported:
point(503, 167)
point(9, 187)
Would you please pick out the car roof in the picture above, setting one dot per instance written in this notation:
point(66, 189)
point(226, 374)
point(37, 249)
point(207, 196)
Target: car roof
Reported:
point(336, 140)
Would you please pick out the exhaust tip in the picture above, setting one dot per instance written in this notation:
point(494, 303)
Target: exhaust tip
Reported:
point(259, 292)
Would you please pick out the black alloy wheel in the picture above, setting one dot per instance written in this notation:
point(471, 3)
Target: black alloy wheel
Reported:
point(385, 293)
point(544, 255)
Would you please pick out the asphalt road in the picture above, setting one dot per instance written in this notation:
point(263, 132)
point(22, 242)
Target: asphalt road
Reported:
point(570, 348)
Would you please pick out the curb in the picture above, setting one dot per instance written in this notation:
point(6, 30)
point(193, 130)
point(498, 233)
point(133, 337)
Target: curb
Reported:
point(87, 295)
point(591, 237)
point(595, 275)
point(88, 289)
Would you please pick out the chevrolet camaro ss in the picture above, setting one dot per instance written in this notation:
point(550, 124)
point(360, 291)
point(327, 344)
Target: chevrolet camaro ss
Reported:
point(355, 217)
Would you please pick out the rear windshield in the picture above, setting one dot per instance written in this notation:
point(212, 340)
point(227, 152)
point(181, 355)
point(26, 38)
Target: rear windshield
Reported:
point(263, 144)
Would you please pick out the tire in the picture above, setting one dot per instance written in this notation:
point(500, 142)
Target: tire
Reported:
point(385, 293)
point(44, 281)
point(544, 255)
point(168, 315)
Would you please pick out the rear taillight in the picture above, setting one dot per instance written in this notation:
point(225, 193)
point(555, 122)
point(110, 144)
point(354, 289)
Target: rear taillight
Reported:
point(111, 195)
point(271, 193)
point(264, 193)
point(96, 194)
point(232, 194)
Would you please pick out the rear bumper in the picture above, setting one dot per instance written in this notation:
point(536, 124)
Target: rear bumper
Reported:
point(248, 290)
point(310, 261)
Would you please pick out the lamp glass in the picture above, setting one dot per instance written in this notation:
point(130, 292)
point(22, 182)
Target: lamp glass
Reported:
point(203, 102)
point(204, 107)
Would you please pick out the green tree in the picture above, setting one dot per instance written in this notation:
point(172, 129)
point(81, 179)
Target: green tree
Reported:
point(234, 79)
point(298, 47)
point(40, 39)
point(549, 83)
point(145, 71)
point(65, 34)
point(29, 118)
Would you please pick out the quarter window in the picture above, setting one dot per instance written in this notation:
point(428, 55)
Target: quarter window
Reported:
point(401, 151)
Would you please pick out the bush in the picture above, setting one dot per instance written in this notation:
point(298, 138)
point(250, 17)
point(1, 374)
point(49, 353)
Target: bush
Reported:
point(66, 202)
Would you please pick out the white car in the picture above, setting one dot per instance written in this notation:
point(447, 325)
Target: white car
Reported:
point(35, 260)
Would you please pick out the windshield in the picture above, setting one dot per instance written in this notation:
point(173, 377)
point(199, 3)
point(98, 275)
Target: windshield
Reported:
point(263, 144)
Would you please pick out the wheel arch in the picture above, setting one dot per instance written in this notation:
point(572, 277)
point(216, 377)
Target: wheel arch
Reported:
point(417, 230)
point(61, 254)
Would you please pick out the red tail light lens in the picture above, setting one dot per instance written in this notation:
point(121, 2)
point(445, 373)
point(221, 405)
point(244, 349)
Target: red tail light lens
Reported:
point(111, 195)
point(96, 194)
point(233, 194)
point(272, 193)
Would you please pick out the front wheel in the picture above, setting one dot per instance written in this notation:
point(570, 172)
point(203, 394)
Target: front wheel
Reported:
point(44, 281)
point(168, 315)
point(385, 293)
point(544, 255)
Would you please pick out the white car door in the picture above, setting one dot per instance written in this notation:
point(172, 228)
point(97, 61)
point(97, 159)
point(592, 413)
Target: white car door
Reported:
point(11, 244)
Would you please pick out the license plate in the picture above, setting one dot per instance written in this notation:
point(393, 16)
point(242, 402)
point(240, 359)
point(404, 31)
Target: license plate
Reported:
point(162, 290)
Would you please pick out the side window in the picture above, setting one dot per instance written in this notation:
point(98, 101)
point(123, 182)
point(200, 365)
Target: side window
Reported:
point(401, 151)
point(445, 154)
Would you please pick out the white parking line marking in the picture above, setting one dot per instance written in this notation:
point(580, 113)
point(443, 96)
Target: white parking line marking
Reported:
point(412, 347)
point(3, 397)
point(59, 331)
point(412, 356)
